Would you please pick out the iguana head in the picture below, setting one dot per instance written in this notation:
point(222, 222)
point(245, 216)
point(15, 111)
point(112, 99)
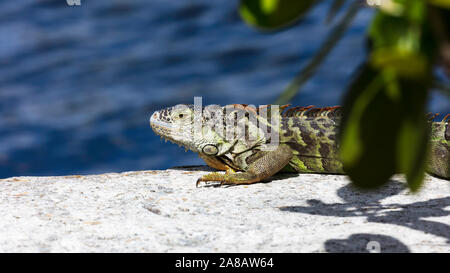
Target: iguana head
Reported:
point(204, 130)
point(181, 125)
point(175, 124)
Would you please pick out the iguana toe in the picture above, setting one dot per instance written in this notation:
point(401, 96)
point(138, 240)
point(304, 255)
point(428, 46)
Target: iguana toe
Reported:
point(215, 176)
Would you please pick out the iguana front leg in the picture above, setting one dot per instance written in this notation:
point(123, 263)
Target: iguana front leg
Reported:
point(267, 164)
point(215, 163)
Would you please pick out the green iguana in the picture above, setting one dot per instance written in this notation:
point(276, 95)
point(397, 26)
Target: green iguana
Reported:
point(305, 140)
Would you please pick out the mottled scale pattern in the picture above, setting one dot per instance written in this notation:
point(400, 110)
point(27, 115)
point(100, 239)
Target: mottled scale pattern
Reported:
point(311, 133)
point(438, 161)
point(308, 133)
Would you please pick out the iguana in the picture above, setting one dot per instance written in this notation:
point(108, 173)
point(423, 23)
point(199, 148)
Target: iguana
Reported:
point(307, 140)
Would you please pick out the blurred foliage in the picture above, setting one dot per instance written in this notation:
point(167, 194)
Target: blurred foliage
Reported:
point(384, 129)
point(273, 14)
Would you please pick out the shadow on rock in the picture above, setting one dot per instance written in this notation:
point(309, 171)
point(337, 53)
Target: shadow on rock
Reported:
point(367, 204)
point(365, 243)
point(203, 168)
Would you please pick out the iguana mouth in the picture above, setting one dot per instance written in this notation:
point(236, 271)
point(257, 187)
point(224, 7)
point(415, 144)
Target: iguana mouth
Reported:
point(155, 122)
point(164, 129)
point(160, 128)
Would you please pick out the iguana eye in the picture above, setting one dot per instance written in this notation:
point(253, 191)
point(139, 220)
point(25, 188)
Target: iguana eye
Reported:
point(180, 115)
point(210, 149)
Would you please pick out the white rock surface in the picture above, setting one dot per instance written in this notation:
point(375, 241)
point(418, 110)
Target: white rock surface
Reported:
point(163, 211)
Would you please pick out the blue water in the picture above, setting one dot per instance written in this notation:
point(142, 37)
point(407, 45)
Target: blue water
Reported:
point(78, 84)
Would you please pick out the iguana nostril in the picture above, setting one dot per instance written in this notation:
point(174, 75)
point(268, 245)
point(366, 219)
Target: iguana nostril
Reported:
point(153, 117)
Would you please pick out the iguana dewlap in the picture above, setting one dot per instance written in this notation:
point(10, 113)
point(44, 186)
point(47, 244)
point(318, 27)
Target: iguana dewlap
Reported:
point(231, 139)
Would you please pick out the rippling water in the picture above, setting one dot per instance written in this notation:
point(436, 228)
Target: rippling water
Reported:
point(78, 84)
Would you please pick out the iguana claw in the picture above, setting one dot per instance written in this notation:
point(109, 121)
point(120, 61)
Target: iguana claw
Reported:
point(206, 182)
point(212, 177)
point(218, 177)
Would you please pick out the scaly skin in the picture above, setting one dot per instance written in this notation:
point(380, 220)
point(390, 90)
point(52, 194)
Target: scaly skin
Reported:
point(306, 140)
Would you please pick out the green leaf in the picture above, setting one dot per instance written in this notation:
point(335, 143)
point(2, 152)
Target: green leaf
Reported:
point(367, 148)
point(396, 33)
point(411, 150)
point(405, 63)
point(440, 3)
point(410, 9)
point(384, 130)
point(273, 14)
point(412, 142)
point(402, 42)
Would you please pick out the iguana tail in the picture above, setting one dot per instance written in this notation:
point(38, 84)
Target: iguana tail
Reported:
point(438, 162)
